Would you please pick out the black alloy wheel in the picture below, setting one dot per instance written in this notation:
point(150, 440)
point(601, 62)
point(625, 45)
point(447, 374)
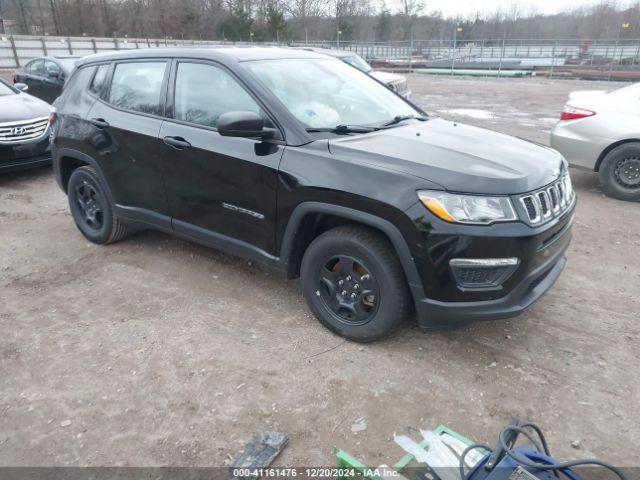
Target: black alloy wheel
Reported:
point(89, 202)
point(348, 289)
point(354, 284)
point(92, 209)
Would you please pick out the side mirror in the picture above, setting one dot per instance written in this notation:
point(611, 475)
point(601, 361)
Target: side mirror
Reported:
point(23, 87)
point(243, 124)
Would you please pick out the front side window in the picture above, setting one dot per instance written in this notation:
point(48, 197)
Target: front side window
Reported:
point(204, 92)
point(98, 79)
point(36, 67)
point(137, 86)
point(325, 93)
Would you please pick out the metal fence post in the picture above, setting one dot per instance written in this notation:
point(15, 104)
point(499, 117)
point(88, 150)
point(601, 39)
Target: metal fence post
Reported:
point(504, 39)
point(15, 52)
point(44, 46)
point(453, 56)
point(95, 47)
point(613, 56)
point(69, 46)
point(553, 57)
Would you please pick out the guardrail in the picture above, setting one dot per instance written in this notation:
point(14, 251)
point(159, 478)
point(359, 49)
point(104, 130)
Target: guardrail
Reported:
point(16, 50)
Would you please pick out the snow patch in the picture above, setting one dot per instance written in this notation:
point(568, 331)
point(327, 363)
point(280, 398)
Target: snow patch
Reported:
point(470, 112)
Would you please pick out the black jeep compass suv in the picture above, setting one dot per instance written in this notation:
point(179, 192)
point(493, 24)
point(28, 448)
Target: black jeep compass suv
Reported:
point(314, 169)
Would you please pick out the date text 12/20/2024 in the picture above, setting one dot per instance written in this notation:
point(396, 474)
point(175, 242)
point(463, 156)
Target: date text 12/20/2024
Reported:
point(311, 472)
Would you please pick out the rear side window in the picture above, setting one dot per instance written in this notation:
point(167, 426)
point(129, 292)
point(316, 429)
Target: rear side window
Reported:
point(137, 86)
point(204, 92)
point(52, 69)
point(98, 80)
point(72, 91)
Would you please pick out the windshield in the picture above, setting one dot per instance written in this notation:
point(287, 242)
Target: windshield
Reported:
point(6, 89)
point(327, 93)
point(358, 62)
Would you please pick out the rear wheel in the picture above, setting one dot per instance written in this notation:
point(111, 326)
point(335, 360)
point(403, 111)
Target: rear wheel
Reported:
point(354, 283)
point(92, 209)
point(620, 172)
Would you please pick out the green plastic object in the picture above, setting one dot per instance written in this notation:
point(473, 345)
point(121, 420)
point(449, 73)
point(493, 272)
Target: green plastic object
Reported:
point(474, 73)
point(346, 461)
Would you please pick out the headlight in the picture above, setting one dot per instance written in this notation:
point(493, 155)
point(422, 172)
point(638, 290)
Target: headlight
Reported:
point(472, 209)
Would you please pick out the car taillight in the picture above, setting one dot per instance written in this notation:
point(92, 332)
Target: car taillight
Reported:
point(574, 113)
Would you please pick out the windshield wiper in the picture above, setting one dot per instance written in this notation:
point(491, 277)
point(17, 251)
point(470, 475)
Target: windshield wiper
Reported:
point(402, 118)
point(340, 129)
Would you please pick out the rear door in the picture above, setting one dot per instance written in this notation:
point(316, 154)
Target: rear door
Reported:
point(125, 122)
point(218, 188)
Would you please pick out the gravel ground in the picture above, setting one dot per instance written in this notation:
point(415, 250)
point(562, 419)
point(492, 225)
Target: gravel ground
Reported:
point(155, 351)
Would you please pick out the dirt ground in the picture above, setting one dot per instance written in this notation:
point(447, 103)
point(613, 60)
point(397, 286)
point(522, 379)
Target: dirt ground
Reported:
point(155, 351)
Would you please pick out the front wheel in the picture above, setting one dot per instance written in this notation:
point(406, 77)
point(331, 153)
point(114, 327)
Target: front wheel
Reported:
point(620, 172)
point(354, 283)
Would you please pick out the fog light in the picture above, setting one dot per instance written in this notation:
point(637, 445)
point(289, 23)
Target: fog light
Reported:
point(482, 273)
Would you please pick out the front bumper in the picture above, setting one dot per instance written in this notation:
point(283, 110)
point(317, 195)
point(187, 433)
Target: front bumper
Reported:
point(442, 303)
point(25, 155)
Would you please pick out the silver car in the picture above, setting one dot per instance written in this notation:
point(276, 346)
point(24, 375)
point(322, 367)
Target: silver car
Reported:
point(397, 83)
point(600, 131)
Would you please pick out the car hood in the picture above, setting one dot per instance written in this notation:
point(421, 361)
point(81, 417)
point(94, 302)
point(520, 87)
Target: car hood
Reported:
point(460, 158)
point(22, 106)
point(387, 77)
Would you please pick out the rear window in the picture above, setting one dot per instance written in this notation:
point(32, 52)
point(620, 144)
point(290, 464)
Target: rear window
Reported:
point(77, 84)
point(136, 86)
point(98, 80)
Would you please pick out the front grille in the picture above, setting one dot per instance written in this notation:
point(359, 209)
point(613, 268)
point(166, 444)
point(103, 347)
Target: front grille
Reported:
point(548, 202)
point(25, 130)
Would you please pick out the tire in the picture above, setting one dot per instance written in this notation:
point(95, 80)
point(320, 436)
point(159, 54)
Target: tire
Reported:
point(620, 172)
point(92, 209)
point(373, 298)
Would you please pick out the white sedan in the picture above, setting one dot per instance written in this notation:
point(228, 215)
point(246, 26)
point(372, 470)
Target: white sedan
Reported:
point(600, 131)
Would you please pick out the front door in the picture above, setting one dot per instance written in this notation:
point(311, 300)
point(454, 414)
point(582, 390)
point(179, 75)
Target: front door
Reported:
point(34, 78)
point(218, 188)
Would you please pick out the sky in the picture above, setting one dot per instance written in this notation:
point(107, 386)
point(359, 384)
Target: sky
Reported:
point(469, 7)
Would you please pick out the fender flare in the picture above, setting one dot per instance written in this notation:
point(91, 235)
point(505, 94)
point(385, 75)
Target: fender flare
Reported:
point(385, 226)
point(83, 157)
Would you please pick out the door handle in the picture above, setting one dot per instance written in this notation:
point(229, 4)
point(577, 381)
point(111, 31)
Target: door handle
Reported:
point(178, 143)
point(99, 123)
